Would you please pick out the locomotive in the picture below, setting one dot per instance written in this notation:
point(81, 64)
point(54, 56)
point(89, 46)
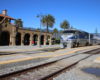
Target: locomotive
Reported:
point(75, 38)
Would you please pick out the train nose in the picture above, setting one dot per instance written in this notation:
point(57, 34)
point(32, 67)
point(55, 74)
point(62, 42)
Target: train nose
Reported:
point(64, 45)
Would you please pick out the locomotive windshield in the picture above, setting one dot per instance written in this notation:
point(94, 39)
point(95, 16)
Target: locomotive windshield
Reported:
point(71, 31)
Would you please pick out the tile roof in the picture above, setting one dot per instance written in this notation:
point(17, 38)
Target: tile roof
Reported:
point(2, 15)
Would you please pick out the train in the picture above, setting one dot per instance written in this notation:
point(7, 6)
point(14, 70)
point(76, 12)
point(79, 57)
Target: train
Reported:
point(74, 38)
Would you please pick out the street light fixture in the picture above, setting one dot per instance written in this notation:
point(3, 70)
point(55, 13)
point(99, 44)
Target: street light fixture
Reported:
point(40, 15)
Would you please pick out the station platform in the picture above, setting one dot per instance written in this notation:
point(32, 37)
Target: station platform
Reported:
point(25, 48)
point(97, 60)
point(22, 59)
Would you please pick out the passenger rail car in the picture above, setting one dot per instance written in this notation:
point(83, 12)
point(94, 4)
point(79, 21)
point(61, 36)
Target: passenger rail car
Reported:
point(74, 38)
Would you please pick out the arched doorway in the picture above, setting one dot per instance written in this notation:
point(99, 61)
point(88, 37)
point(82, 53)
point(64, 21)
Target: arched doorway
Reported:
point(5, 38)
point(47, 40)
point(42, 39)
point(18, 39)
point(27, 39)
point(35, 38)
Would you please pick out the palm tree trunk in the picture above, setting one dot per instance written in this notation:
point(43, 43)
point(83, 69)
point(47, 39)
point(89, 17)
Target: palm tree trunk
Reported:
point(55, 36)
point(47, 27)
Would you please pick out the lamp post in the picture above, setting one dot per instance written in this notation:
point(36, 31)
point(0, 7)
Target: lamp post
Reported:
point(40, 15)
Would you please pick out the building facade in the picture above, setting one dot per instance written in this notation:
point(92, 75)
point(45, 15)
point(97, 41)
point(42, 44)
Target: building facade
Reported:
point(12, 35)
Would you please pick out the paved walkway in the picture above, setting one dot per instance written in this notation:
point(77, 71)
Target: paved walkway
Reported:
point(24, 48)
point(23, 59)
point(97, 60)
point(26, 56)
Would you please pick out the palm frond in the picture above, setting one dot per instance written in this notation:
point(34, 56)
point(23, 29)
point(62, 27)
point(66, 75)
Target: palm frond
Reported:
point(48, 20)
point(65, 24)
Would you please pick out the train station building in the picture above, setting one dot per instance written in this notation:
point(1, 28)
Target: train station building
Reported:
point(12, 35)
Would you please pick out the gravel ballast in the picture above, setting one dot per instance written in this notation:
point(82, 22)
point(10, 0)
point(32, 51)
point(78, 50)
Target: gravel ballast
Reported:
point(77, 73)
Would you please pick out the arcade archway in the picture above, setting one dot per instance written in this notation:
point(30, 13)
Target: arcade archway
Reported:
point(27, 39)
point(47, 40)
point(18, 39)
point(42, 39)
point(35, 38)
point(4, 38)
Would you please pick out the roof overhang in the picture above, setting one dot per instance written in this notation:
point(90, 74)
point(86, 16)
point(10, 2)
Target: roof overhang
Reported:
point(5, 16)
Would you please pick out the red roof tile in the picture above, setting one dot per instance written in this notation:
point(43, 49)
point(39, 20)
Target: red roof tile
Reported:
point(2, 15)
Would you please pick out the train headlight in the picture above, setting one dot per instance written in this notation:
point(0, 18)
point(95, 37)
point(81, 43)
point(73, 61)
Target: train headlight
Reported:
point(68, 40)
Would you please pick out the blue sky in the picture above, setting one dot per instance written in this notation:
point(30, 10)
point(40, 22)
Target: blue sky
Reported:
point(81, 14)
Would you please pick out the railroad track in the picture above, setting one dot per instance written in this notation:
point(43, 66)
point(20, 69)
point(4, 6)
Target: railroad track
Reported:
point(30, 52)
point(45, 71)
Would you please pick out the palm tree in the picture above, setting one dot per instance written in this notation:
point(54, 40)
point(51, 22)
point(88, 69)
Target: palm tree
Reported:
point(61, 31)
point(38, 29)
point(48, 20)
point(55, 31)
point(65, 24)
point(42, 31)
point(29, 29)
point(19, 23)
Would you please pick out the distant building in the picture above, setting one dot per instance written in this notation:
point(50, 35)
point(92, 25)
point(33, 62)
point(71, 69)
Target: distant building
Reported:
point(12, 35)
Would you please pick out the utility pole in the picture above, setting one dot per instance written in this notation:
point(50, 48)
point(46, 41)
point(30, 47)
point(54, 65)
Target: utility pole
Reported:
point(96, 32)
point(40, 15)
point(89, 38)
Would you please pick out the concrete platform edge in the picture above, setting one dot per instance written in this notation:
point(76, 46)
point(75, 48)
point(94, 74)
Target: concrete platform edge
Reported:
point(4, 66)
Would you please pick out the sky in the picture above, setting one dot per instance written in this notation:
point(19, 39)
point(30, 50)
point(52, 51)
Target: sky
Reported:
point(81, 14)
